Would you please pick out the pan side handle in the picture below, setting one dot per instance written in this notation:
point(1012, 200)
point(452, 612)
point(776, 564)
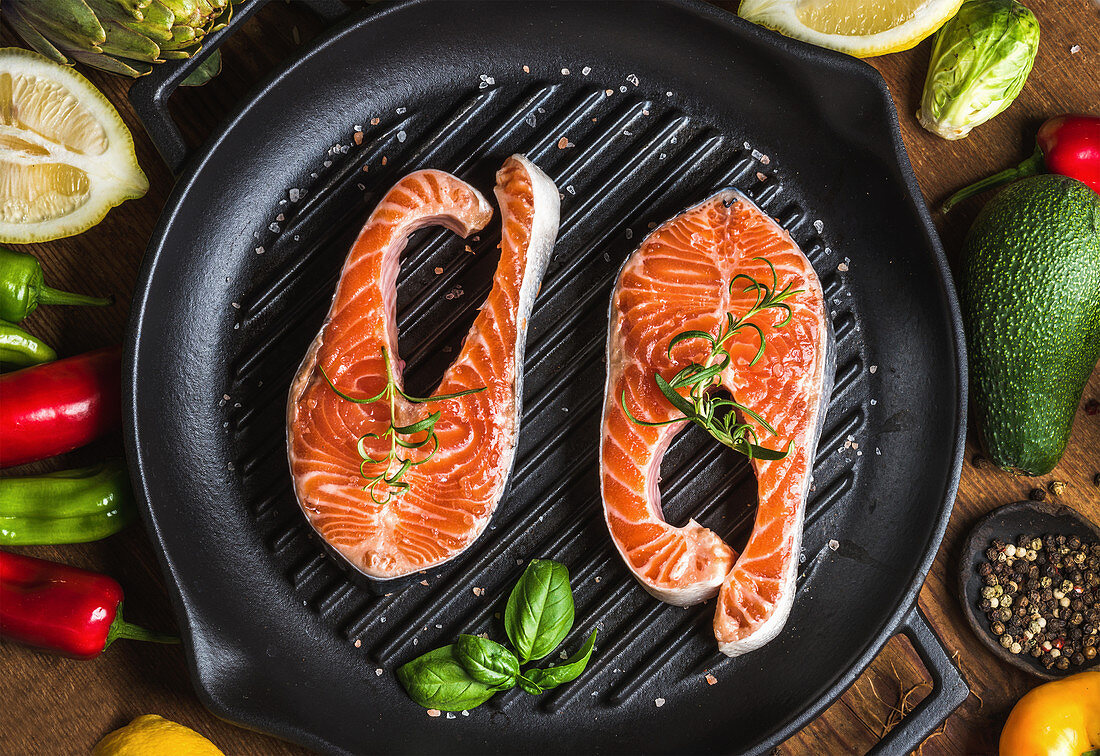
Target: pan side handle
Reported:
point(149, 94)
point(949, 690)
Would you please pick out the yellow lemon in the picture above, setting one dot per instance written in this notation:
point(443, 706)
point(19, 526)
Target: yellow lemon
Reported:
point(151, 735)
point(66, 157)
point(858, 27)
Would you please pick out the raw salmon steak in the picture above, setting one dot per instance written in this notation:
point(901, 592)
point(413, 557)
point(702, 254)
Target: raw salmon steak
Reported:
point(445, 501)
point(679, 280)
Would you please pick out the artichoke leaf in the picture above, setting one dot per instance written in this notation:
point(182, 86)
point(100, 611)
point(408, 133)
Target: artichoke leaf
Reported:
point(187, 12)
point(206, 71)
point(133, 68)
point(124, 43)
point(157, 25)
point(63, 21)
point(34, 38)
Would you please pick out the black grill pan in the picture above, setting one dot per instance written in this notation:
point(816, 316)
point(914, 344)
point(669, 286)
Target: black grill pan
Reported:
point(663, 103)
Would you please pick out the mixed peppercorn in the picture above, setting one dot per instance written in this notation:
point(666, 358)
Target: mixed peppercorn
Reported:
point(1042, 597)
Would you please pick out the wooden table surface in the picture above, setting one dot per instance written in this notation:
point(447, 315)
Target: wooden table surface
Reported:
point(59, 706)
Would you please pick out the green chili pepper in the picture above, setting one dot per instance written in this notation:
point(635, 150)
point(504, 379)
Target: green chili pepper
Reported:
point(69, 506)
point(22, 289)
point(17, 347)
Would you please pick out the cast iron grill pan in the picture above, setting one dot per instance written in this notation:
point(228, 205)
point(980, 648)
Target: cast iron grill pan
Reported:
point(241, 271)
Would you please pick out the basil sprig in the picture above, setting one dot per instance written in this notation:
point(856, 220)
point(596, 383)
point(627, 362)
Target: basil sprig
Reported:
point(538, 616)
point(539, 613)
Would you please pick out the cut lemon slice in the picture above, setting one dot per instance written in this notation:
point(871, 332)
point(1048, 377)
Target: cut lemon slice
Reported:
point(66, 157)
point(857, 27)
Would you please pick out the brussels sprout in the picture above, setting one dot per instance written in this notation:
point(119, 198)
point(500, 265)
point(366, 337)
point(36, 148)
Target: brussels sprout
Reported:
point(980, 61)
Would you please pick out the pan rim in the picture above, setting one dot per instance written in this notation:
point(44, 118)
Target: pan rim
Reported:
point(252, 717)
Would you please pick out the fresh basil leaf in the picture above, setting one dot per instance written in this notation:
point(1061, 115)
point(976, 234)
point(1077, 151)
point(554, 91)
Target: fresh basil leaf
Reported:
point(487, 661)
point(539, 613)
point(533, 688)
point(570, 670)
point(436, 680)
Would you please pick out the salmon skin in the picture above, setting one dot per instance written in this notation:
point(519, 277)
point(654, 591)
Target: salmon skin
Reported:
point(445, 500)
point(679, 280)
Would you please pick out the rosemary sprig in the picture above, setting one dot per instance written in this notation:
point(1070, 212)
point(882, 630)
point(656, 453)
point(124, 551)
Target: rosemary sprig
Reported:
point(716, 414)
point(396, 465)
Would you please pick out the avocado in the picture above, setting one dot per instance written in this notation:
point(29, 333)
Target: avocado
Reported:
point(1030, 295)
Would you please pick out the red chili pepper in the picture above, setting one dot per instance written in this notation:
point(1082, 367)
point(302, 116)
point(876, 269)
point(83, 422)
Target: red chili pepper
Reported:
point(50, 409)
point(67, 610)
point(1068, 145)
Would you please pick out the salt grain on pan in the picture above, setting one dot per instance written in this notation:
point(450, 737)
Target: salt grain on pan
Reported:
point(570, 189)
point(527, 69)
point(565, 72)
point(633, 79)
point(259, 250)
point(434, 712)
point(760, 176)
point(843, 267)
point(530, 120)
point(668, 94)
point(295, 194)
point(659, 702)
point(874, 402)
point(358, 643)
point(423, 582)
point(834, 544)
point(711, 680)
point(873, 369)
point(609, 92)
point(401, 136)
point(401, 111)
point(378, 672)
point(622, 88)
point(450, 715)
point(381, 619)
point(236, 305)
point(878, 451)
point(274, 228)
point(327, 163)
point(1075, 49)
point(819, 226)
point(757, 154)
point(586, 70)
point(375, 121)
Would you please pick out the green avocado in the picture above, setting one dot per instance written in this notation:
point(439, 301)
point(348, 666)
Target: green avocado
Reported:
point(1030, 295)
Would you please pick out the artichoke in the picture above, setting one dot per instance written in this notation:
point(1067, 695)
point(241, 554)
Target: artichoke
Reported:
point(980, 61)
point(121, 36)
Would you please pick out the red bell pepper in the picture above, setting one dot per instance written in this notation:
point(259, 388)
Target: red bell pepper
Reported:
point(50, 409)
point(63, 609)
point(1068, 145)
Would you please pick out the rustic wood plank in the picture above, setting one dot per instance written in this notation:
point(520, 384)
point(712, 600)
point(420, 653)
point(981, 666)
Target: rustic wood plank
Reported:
point(59, 706)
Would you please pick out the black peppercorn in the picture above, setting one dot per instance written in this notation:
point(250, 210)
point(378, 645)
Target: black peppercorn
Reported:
point(1078, 659)
point(1090, 652)
point(1062, 663)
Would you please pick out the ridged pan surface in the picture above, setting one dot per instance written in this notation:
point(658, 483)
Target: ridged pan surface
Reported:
point(658, 104)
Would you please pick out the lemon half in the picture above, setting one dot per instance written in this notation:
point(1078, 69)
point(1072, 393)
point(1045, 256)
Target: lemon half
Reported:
point(66, 157)
point(858, 27)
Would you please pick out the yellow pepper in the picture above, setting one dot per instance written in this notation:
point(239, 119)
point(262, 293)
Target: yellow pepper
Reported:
point(1060, 718)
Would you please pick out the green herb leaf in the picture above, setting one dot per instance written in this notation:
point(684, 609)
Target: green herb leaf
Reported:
point(539, 613)
point(552, 677)
point(487, 661)
point(674, 397)
point(528, 686)
point(437, 680)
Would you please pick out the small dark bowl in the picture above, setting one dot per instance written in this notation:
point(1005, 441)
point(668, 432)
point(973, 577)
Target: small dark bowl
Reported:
point(1008, 523)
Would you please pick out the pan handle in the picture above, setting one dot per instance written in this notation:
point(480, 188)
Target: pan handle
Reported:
point(149, 94)
point(949, 690)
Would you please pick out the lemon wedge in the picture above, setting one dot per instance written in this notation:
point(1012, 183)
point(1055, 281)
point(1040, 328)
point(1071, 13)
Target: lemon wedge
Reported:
point(66, 157)
point(858, 27)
